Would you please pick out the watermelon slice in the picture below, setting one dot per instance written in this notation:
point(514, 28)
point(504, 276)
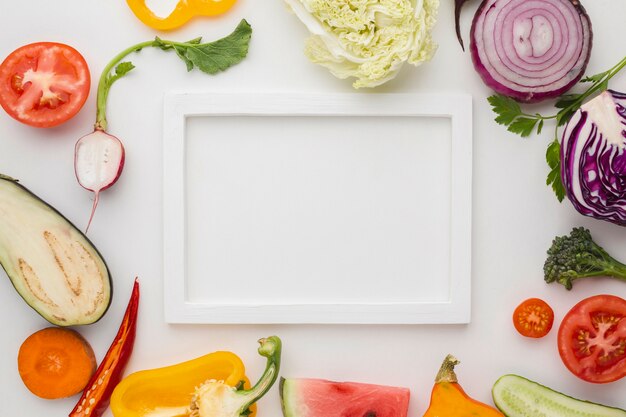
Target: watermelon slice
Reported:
point(321, 398)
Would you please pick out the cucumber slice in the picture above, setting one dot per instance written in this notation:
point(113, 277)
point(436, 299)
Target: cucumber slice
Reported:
point(51, 264)
point(519, 397)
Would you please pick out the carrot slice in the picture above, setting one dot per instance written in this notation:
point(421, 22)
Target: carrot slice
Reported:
point(55, 362)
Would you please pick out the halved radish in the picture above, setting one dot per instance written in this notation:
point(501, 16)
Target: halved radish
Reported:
point(99, 157)
point(98, 163)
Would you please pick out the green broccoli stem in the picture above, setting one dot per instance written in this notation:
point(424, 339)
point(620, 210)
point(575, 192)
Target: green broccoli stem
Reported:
point(608, 265)
point(596, 263)
point(271, 349)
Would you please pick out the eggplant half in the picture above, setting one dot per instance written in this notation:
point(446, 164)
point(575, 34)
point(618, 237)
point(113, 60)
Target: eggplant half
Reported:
point(52, 264)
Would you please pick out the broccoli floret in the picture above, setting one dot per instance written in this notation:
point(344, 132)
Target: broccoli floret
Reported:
point(578, 256)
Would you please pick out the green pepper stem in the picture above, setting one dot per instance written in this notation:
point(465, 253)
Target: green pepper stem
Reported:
point(270, 348)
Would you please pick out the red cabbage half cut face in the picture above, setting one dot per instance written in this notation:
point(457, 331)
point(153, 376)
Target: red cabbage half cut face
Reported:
point(531, 50)
point(593, 158)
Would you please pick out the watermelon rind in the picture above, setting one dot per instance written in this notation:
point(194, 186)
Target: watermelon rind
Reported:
point(288, 400)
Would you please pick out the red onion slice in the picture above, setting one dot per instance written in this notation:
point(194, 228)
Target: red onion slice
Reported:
point(531, 50)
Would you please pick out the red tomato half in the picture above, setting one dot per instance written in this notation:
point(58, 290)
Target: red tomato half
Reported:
point(533, 318)
point(592, 339)
point(44, 84)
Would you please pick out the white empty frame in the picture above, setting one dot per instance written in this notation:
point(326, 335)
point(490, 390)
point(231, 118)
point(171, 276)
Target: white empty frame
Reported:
point(294, 208)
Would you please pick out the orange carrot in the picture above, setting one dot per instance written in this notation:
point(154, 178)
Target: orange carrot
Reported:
point(55, 362)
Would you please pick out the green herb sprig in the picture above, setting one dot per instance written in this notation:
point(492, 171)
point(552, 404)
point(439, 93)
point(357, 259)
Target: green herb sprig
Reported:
point(209, 58)
point(510, 114)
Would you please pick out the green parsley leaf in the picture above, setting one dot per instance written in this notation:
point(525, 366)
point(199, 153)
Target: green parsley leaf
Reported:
point(553, 154)
point(566, 100)
point(524, 126)
point(553, 158)
point(505, 107)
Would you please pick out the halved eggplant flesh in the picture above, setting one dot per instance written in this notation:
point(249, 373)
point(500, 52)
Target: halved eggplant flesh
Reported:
point(51, 263)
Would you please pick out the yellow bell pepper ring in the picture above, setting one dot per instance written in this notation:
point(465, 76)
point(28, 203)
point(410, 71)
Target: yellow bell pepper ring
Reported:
point(212, 385)
point(184, 10)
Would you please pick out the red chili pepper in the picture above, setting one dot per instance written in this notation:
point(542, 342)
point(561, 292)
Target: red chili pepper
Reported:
point(97, 394)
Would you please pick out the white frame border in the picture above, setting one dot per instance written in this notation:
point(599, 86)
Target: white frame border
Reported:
point(178, 107)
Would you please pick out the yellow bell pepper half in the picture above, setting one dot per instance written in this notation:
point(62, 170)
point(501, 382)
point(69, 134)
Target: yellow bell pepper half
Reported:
point(209, 386)
point(184, 10)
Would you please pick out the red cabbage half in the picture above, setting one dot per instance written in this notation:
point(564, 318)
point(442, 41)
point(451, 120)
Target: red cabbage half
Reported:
point(593, 158)
point(531, 50)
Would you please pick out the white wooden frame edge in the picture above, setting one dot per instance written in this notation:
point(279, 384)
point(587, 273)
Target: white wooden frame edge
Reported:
point(177, 107)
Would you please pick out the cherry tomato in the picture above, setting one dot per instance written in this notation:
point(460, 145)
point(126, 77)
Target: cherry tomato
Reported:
point(592, 339)
point(533, 318)
point(44, 84)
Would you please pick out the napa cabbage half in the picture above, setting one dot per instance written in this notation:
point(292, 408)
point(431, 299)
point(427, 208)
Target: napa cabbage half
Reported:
point(367, 39)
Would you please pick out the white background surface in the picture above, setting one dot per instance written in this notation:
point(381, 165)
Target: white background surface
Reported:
point(346, 203)
point(515, 215)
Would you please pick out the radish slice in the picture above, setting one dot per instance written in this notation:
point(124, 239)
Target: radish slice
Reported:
point(531, 50)
point(98, 163)
point(99, 157)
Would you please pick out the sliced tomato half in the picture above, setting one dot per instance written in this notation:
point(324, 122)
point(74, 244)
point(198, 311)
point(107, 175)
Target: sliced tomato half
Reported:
point(44, 84)
point(592, 339)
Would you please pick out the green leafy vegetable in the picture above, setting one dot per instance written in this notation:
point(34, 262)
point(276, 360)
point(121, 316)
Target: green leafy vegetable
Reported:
point(210, 58)
point(180, 51)
point(367, 39)
point(578, 256)
point(510, 114)
point(505, 107)
point(523, 125)
point(553, 158)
